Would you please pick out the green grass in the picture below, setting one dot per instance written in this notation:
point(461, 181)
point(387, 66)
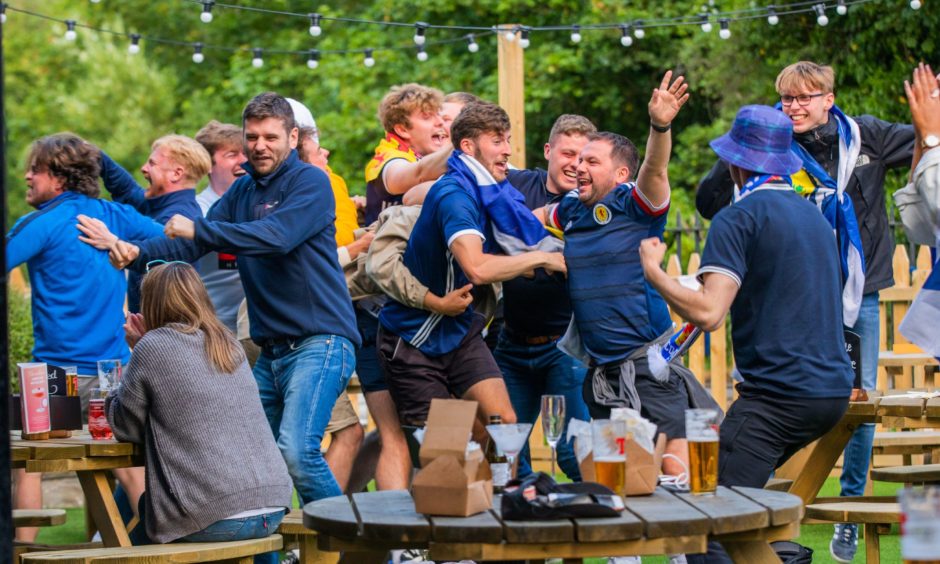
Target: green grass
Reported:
point(814, 536)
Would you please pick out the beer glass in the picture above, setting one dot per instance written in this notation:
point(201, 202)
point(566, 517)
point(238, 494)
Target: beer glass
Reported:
point(920, 525)
point(610, 461)
point(701, 430)
point(109, 374)
point(98, 425)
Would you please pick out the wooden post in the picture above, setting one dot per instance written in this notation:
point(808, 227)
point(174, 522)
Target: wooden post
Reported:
point(512, 91)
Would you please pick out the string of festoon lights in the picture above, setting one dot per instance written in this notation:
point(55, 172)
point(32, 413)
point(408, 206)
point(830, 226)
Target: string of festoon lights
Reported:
point(629, 30)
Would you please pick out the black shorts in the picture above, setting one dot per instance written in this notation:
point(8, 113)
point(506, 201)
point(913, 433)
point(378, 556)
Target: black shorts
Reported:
point(371, 378)
point(414, 378)
point(663, 403)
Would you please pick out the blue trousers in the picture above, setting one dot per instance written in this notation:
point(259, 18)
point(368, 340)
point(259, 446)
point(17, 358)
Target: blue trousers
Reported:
point(531, 371)
point(857, 455)
point(299, 382)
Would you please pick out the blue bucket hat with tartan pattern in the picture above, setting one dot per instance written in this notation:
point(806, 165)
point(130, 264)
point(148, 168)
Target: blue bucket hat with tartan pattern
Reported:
point(759, 141)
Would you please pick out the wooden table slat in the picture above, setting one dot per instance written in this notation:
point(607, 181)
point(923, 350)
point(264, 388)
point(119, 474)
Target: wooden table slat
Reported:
point(729, 511)
point(933, 408)
point(783, 507)
point(664, 515)
point(391, 516)
point(867, 407)
point(333, 516)
point(483, 527)
point(558, 531)
point(47, 450)
point(908, 474)
point(901, 406)
point(626, 526)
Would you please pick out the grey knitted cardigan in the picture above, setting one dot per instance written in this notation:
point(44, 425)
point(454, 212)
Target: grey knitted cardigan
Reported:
point(209, 450)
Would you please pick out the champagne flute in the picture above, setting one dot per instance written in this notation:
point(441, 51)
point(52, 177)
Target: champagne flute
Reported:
point(553, 422)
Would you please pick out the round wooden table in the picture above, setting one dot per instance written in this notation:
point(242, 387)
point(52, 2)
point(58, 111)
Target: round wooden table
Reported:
point(745, 520)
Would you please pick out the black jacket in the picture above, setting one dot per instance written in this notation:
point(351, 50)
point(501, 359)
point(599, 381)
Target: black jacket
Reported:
point(884, 145)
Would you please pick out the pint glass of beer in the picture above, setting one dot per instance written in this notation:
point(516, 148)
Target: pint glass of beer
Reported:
point(610, 461)
point(701, 430)
point(920, 525)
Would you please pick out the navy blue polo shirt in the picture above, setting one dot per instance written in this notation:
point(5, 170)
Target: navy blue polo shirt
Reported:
point(448, 212)
point(786, 320)
point(536, 306)
point(615, 309)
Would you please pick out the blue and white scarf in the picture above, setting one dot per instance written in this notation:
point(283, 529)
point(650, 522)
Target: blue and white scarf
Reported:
point(920, 323)
point(763, 182)
point(837, 208)
point(515, 229)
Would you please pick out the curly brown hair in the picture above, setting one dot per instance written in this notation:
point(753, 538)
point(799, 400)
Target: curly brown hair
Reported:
point(397, 106)
point(70, 158)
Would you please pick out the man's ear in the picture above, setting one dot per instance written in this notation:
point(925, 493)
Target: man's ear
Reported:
point(829, 100)
point(548, 150)
point(467, 146)
point(292, 138)
point(622, 175)
point(402, 131)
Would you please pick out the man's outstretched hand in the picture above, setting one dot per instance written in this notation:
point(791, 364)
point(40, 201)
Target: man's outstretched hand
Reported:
point(667, 100)
point(95, 233)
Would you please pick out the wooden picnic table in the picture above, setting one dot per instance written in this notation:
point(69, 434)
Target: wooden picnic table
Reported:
point(745, 520)
point(91, 460)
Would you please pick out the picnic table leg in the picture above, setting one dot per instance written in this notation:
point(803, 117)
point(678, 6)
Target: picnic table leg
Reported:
point(102, 508)
point(872, 544)
point(820, 461)
point(751, 552)
point(310, 554)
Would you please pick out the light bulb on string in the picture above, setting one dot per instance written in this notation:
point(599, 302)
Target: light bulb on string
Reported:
point(313, 59)
point(821, 17)
point(95, 1)
point(422, 54)
point(420, 28)
point(257, 61)
point(472, 45)
point(916, 4)
point(511, 34)
point(368, 60)
point(841, 8)
point(625, 38)
point(134, 47)
point(706, 25)
point(70, 34)
point(206, 15)
point(524, 38)
point(724, 32)
point(3, 13)
point(772, 17)
point(638, 30)
point(198, 57)
point(315, 29)
point(576, 34)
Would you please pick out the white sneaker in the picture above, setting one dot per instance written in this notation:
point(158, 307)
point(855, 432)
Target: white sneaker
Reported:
point(624, 560)
point(677, 559)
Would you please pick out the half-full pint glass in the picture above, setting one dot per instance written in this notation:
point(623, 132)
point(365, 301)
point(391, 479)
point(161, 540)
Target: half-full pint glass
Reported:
point(701, 430)
point(98, 425)
point(920, 525)
point(610, 461)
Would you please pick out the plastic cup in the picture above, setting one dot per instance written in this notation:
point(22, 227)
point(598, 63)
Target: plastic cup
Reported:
point(98, 425)
point(920, 524)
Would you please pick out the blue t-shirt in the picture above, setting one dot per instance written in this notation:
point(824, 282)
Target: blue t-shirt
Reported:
point(77, 297)
point(786, 320)
point(537, 306)
point(448, 212)
point(614, 307)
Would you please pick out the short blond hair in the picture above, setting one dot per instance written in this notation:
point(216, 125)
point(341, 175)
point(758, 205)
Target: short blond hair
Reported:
point(397, 106)
point(571, 124)
point(806, 74)
point(187, 153)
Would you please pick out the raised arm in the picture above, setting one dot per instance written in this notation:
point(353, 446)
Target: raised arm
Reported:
point(653, 178)
point(400, 176)
point(923, 97)
point(121, 184)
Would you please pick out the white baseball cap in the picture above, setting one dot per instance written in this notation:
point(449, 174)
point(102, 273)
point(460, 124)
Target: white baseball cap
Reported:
point(302, 116)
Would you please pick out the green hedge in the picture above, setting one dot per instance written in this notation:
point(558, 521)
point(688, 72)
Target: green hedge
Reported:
point(21, 333)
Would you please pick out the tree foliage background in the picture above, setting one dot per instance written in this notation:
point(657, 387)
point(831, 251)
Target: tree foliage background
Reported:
point(123, 102)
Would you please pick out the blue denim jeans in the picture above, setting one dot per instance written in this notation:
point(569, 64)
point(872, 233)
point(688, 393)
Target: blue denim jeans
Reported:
point(857, 455)
point(299, 382)
point(254, 527)
point(531, 371)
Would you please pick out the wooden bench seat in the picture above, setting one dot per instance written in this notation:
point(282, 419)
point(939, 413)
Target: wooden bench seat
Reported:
point(242, 552)
point(294, 531)
point(870, 515)
point(916, 474)
point(38, 517)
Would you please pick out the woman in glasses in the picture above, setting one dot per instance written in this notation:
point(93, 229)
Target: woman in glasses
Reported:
point(189, 397)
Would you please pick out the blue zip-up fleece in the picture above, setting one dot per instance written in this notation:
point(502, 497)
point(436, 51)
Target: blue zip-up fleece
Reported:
point(124, 189)
point(281, 228)
point(77, 297)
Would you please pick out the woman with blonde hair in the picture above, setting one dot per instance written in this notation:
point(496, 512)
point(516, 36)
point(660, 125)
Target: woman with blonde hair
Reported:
point(213, 469)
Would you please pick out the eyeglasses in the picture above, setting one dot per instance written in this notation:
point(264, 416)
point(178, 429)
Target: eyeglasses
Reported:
point(803, 99)
point(158, 262)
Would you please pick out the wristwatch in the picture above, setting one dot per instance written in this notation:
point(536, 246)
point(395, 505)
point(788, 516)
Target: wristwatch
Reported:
point(930, 141)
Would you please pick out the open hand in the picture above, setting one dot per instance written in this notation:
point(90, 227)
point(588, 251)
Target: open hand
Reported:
point(667, 99)
point(180, 226)
point(923, 96)
point(652, 251)
point(96, 233)
point(134, 329)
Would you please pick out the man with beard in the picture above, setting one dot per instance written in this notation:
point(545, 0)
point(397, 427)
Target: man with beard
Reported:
point(427, 355)
point(175, 165)
point(278, 220)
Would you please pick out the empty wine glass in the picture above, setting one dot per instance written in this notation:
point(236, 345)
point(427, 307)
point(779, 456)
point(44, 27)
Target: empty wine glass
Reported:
point(510, 439)
point(553, 422)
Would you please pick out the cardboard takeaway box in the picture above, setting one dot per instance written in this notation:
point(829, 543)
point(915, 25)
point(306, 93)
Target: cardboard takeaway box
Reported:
point(643, 468)
point(450, 481)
